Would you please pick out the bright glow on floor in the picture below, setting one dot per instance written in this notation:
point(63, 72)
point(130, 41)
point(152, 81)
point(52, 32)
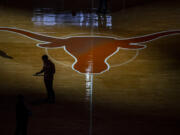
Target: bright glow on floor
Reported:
point(48, 17)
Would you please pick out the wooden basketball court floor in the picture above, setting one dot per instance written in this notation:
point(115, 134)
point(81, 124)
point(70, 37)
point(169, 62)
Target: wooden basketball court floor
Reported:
point(139, 94)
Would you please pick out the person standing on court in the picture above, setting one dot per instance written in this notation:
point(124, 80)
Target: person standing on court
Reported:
point(102, 6)
point(22, 116)
point(49, 71)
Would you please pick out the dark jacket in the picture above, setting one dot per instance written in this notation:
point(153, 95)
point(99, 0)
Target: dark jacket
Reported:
point(49, 70)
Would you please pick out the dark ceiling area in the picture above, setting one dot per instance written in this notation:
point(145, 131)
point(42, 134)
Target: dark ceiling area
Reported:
point(113, 5)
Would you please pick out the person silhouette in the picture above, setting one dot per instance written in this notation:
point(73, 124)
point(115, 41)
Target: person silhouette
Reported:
point(49, 71)
point(102, 6)
point(22, 116)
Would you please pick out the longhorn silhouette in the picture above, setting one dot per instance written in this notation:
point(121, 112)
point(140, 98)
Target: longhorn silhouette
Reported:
point(90, 52)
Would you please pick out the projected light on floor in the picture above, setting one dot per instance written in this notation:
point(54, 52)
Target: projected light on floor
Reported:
point(83, 50)
point(91, 52)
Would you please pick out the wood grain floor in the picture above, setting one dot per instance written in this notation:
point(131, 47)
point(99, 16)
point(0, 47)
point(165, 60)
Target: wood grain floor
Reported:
point(141, 97)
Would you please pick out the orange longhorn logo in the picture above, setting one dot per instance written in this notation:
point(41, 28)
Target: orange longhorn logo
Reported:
point(90, 52)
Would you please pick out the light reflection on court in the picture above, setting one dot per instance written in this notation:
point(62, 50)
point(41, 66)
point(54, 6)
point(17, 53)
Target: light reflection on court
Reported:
point(47, 17)
point(50, 17)
point(147, 86)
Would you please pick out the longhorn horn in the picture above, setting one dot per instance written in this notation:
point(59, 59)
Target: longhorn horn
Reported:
point(34, 36)
point(151, 37)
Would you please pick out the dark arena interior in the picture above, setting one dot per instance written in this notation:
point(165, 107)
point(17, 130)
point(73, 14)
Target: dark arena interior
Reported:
point(117, 68)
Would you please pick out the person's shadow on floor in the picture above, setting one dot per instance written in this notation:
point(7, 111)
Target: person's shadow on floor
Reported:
point(5, 55)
